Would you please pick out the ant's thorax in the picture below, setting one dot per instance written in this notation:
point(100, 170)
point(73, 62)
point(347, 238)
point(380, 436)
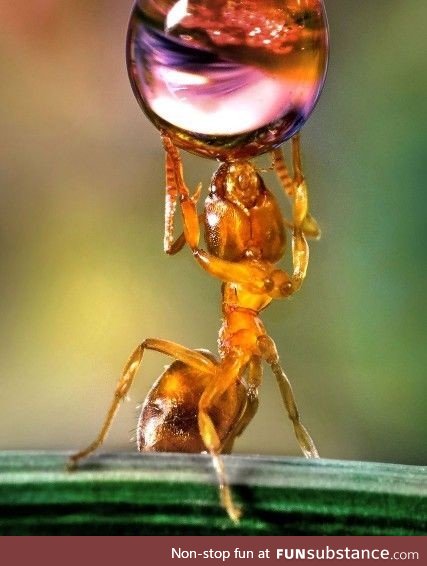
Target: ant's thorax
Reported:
point(241, 324)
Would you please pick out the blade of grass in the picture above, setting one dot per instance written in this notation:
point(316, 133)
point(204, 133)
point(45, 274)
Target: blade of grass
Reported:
point(170, 494)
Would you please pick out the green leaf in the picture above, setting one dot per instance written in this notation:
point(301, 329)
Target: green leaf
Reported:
point(170, 494)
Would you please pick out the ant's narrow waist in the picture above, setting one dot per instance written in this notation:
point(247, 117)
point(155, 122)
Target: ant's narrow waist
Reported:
point(238, 318)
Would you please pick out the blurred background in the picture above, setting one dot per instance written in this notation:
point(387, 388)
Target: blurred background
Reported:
point(83, 277)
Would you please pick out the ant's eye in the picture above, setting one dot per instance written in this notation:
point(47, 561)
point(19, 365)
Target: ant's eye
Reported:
point(228, 79)
point(268, 284)
point(286, 289)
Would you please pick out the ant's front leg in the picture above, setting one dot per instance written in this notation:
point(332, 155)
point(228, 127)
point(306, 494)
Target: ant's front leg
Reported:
point(257, 277)
point(269, 353)
point(296, 189)
point(303, 224)
point(190, 357)
point(176, 189)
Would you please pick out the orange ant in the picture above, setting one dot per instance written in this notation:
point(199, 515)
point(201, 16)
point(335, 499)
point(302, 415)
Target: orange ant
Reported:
point(201, 402)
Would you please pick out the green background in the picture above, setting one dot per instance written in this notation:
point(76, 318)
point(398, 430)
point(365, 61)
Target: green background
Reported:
point(83, 277)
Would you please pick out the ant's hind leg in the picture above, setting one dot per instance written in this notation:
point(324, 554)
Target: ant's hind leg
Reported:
point(227, 373)
point(253, 378)
point(192, 358)
point(269, 351)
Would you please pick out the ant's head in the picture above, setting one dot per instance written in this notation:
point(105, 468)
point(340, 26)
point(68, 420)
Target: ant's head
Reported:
point(243, 185)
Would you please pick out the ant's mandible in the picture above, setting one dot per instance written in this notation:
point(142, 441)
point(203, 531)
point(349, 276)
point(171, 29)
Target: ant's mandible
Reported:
point(202, 402)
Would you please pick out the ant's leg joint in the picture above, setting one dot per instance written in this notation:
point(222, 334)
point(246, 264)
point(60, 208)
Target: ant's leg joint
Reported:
point(268, 349)
point(129, 371)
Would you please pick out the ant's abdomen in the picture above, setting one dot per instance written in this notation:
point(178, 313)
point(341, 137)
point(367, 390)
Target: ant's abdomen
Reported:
point(169, 415)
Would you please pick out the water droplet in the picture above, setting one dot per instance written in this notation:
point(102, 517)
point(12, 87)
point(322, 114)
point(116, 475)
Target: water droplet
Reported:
point(228, 79)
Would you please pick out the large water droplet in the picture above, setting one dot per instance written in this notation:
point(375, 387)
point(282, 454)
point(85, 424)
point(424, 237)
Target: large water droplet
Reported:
point(228, 79)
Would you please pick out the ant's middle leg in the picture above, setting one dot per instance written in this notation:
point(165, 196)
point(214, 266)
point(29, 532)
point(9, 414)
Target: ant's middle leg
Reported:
point(269, 352)
point(190, 357)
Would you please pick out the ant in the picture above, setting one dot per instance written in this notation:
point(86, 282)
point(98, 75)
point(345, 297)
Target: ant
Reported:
point(201, 402)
